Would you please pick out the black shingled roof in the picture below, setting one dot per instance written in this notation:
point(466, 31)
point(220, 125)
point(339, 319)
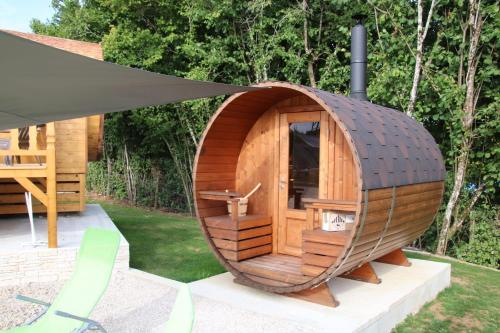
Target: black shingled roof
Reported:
point(393, 149)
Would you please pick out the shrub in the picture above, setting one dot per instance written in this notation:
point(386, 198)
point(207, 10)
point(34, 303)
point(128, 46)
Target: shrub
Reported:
point(483, 247)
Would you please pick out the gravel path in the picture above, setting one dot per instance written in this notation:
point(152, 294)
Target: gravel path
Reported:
point(127, 299)
point(134, 303)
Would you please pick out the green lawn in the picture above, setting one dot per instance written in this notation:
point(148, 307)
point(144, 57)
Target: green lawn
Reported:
point(173, 246)
point(471, 304)
point(167, 245)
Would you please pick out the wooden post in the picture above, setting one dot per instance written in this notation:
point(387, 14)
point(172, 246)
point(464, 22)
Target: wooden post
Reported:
point(14, 139)
point(396, 257)
point(81, 180)
point(14, 144)
point(309, 217)
point(51, 186)
point(32, 138)
point(234, 209)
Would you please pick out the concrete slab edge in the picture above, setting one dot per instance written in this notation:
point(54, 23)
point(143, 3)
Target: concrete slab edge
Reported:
point(399, 311)
point(155, 278)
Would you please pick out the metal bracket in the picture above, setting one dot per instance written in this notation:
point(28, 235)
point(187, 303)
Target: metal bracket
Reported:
point(89, 323)
point(387, 224)
point(34, 301)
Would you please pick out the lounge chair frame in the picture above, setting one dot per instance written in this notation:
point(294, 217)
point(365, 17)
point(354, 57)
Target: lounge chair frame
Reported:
point(89, 324)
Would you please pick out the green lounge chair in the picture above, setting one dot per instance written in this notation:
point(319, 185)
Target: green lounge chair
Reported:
point(182, 315)
point(69, 311)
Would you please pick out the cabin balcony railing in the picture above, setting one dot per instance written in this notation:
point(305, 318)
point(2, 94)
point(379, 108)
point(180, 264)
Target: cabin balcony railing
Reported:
point(25, 152)
point(23, 148)
point(28, 156)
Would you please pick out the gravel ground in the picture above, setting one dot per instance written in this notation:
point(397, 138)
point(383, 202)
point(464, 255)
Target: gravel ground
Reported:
point(134, 303)
point(130, 304)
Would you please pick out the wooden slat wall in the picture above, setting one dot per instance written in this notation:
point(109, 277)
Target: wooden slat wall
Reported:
point(70, 196)
point(256, 164)
point(259, 160)
point(237, 153)
point(342, 184)
point(414, 210)
point(217, 161)
point(95, 131)
point(71, 146)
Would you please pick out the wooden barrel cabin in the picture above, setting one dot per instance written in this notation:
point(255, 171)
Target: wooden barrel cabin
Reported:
point(314, 153)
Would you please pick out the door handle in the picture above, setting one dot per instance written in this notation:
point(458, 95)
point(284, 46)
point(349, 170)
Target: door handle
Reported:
point(282, 183)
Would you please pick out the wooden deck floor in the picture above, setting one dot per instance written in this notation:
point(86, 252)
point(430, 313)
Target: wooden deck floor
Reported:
point(275, 270)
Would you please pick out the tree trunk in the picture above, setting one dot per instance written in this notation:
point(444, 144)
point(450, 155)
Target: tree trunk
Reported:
point(463, 216)
point(469, 107)
point(109, 167)
point(185, 175)
point(452, 202)
point(156, 178)
point(307, 48)
point(421, 34)
point(131, 188)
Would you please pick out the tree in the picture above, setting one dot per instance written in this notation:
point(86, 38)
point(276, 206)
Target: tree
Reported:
point(472, 91)
point(432, 59)
point(421, 34)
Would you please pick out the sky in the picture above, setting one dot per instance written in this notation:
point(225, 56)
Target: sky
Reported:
point(17, 14)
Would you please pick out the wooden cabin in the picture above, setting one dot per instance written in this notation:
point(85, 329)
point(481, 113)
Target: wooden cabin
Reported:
point(50, 160)
point(313, 152)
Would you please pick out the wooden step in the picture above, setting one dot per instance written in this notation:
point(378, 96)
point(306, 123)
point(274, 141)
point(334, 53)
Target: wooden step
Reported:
point(243, 244)
point(236, 235)
point(248, 253)
point(327, 237)
point(249, 237)
point(318, 260)
point(321, 248)
point(244, 222)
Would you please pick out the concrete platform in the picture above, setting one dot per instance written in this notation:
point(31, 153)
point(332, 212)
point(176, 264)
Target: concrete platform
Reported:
point(22, 263)
point(363, 307)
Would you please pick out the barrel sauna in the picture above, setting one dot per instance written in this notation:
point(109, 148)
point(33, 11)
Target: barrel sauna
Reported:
point(312, 152)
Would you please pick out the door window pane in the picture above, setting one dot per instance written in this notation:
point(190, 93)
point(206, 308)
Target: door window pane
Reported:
point(303, 163)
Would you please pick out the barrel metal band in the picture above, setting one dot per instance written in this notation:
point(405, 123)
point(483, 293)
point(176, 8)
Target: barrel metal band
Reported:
point(358, 235)
point(387, 224)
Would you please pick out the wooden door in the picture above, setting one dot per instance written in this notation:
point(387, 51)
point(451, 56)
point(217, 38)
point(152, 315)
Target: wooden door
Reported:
point(303, 168)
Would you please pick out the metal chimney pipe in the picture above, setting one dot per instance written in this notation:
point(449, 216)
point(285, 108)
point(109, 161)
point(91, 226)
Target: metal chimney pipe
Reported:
point(358, 60)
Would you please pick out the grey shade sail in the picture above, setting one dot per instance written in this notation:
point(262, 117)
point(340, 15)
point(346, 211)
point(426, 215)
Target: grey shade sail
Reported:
point(40, 84)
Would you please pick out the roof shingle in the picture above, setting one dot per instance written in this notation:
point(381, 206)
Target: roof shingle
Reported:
point(393, 149)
